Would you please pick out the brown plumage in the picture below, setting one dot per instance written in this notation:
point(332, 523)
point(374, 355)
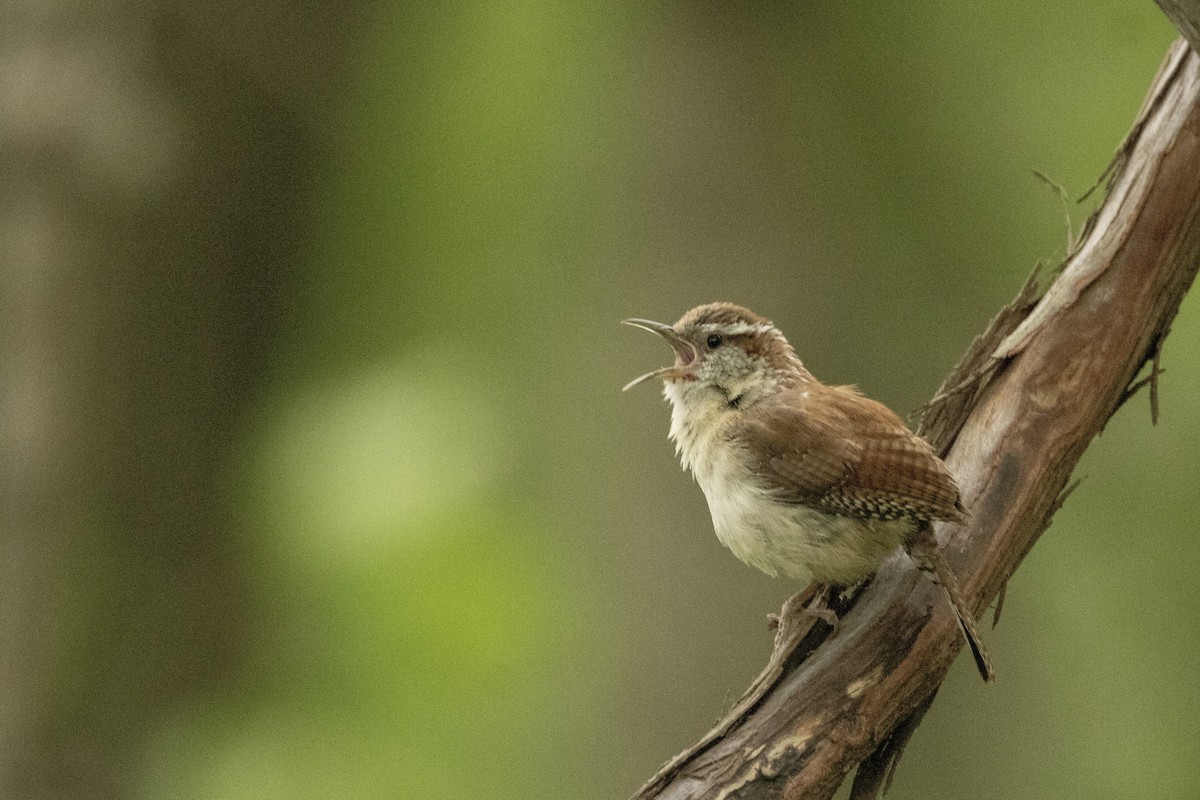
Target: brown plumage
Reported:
point(830, 447)
point(802, 479)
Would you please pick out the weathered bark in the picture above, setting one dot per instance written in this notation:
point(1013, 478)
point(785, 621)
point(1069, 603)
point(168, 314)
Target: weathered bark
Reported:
point(1012, 420)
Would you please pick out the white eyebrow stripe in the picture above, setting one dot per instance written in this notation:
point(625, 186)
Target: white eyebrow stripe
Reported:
point(740, 328)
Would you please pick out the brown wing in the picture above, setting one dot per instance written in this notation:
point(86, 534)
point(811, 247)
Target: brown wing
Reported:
point(835, 449)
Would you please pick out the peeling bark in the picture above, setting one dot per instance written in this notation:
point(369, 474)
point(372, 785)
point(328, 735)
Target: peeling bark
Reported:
point(1012, 420)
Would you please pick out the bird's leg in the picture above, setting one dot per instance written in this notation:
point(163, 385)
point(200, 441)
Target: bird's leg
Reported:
point(793, 604)
point(820, 605)
point(808, 602)
point(812, 600)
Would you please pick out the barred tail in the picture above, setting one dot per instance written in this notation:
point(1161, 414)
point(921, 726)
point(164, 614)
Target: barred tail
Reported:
point(924, 551)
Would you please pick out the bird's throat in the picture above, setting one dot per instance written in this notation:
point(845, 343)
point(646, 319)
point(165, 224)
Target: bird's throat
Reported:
point(699, 414)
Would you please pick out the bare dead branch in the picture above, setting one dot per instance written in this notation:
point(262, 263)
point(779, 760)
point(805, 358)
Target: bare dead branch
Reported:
point(1013, 419)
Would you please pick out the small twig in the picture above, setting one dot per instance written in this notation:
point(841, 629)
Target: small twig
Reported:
point(1155, 371)
point(1063, 495)
point(1150, 380)
point(999, 604)
point(1115, 165)
point(1066, 207)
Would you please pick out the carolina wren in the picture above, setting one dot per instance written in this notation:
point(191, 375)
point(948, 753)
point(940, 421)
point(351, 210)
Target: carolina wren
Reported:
point(803, 480)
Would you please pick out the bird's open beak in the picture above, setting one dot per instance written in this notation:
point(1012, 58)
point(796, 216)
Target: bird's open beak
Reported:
point(685, 354)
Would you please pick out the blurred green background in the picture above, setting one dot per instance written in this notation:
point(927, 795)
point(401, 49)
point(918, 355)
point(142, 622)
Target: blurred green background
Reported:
point(318, 481)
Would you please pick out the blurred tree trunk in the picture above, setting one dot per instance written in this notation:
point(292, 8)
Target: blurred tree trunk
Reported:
point(156, 163)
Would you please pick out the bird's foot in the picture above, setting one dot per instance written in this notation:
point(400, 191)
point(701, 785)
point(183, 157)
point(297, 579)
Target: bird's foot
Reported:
point(812, 601)
point(793, 605)
point(825, 614)
point(819, 605)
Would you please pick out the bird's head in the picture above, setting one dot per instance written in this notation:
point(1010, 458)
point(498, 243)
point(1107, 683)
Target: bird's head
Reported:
point(724, 348)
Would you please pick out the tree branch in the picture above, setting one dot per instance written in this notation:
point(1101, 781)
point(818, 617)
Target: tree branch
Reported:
point(1012, 419)
point(1186, 16)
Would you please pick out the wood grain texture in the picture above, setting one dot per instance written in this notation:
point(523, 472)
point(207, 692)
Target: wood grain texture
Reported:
point(1012, 421)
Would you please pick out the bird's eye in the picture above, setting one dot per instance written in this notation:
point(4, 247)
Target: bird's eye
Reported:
point(714, 341)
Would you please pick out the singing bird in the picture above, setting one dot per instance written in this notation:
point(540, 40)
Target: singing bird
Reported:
point(803, 480)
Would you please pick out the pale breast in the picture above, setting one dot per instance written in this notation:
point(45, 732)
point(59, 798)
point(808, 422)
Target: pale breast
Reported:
point(780, 538)
point(789, 539)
